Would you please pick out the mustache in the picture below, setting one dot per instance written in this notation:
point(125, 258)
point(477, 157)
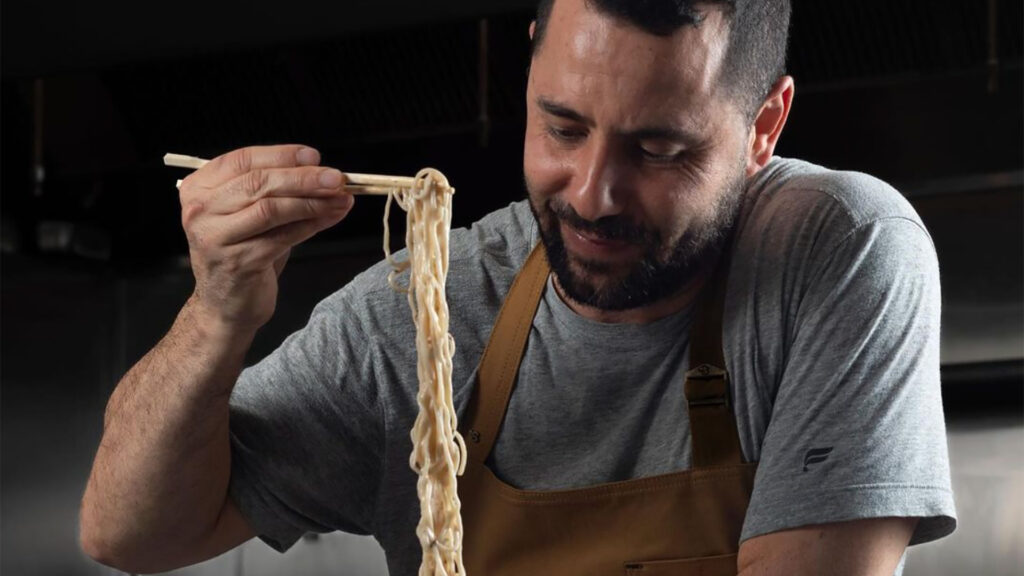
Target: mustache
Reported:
point(617, 228)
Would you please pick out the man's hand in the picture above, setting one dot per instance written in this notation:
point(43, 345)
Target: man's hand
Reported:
point(242, 213)
point(856, 548)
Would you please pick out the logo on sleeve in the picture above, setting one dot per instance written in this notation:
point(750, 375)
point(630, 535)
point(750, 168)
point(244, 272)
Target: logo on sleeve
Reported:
point(816, 456)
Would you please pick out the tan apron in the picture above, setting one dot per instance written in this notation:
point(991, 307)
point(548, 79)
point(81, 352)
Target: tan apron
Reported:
point(685, 523)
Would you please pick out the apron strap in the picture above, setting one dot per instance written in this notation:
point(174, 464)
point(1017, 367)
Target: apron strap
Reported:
point(499, 365)
point(713, 434)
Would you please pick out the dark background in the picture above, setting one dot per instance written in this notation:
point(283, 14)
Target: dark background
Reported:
point(924, 94)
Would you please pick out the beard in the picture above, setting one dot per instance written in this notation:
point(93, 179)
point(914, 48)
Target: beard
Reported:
point(664, 267)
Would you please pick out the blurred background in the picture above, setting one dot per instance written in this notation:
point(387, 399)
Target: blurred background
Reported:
point(925, 94)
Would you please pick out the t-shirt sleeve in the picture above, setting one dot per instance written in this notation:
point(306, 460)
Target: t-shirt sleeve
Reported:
point(857, 427)
point(307, 432)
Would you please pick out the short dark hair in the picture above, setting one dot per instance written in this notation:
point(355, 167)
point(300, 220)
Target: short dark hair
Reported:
point(758, 36)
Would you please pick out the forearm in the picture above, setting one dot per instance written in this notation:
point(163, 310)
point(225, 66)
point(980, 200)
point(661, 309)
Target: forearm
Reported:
point(869, 547)
point(160, 477)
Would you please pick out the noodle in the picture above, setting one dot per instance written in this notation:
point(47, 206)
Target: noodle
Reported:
point(439, 452)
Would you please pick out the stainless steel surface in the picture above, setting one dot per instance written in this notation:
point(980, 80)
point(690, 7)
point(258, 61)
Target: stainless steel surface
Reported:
point(988, 479)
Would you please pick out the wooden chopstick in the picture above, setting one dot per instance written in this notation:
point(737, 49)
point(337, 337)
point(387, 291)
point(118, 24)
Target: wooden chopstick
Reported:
point(184, 161)
point(375, 184)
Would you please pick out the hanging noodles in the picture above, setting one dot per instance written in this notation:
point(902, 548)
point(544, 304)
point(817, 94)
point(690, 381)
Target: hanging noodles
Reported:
point(439, 452)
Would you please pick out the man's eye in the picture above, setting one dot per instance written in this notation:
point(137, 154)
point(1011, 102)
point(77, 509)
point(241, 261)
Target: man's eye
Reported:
point(566, 134)
point(660, 153)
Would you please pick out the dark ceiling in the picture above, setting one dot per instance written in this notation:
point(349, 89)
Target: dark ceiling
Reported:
point(918, 92)
point(45, 37)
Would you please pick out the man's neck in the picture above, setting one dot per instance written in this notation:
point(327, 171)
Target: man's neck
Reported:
point(642, 315)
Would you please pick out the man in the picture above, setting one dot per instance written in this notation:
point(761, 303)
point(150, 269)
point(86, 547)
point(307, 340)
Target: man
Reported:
point(661, 211)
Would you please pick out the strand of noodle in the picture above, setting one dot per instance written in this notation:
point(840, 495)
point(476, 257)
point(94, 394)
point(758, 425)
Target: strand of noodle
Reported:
point(397, 267)
point(439, 451)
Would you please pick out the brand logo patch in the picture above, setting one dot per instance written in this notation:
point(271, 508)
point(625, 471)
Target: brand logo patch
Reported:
point(816, 456)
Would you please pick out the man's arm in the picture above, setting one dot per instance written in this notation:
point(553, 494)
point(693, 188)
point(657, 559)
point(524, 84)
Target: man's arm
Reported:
point(855, 429)
point(157, 496)
point(870, 547)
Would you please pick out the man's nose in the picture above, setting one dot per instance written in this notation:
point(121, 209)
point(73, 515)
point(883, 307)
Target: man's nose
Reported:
point(593, 194)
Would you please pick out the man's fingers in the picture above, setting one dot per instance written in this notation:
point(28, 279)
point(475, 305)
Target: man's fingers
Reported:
point(237, 162)
point(273, 246)
point(269, 213)
point(301, 182)
point(298, 232)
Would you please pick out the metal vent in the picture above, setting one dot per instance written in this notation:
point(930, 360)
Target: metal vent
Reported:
point(352, 88)
point(841, 41)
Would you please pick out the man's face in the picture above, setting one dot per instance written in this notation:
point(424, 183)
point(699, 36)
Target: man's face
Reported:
point(634, 157)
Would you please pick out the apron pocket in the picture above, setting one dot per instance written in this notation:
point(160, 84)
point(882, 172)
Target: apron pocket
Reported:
point(707, 566)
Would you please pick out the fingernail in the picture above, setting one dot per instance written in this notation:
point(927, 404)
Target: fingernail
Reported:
point(307, 157)
point(330, 178)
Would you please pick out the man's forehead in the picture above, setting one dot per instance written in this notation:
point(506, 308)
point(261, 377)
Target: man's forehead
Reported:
point(603, 67)
point(581, 39)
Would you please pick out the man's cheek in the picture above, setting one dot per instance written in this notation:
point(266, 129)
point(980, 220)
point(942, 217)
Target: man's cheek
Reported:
point(547, 170)
point(534, 170)
point(672, 227)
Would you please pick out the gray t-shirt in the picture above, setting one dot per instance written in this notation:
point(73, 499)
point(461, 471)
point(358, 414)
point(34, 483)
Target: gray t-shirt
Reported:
point(831, 337)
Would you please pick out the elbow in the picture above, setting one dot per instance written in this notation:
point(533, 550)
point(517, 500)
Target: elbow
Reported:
point(96, 546)
point(97, 543)
point(110, 554)
point(90, 537)
point(111, 542)
point(106, 546)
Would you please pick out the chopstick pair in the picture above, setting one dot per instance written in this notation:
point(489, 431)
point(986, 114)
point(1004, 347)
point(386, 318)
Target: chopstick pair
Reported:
point(375, 184)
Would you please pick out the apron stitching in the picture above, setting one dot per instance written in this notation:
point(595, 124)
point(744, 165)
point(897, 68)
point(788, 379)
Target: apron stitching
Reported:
point(508, 365)
point(547, 497)
point(489, 417)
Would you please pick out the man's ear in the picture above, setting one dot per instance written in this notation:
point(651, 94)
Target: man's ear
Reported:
point(768, 124)
point(533, 27)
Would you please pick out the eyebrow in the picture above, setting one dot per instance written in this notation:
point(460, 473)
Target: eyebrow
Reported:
point(669, 133)
point(679, 136)
point(562, 111)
